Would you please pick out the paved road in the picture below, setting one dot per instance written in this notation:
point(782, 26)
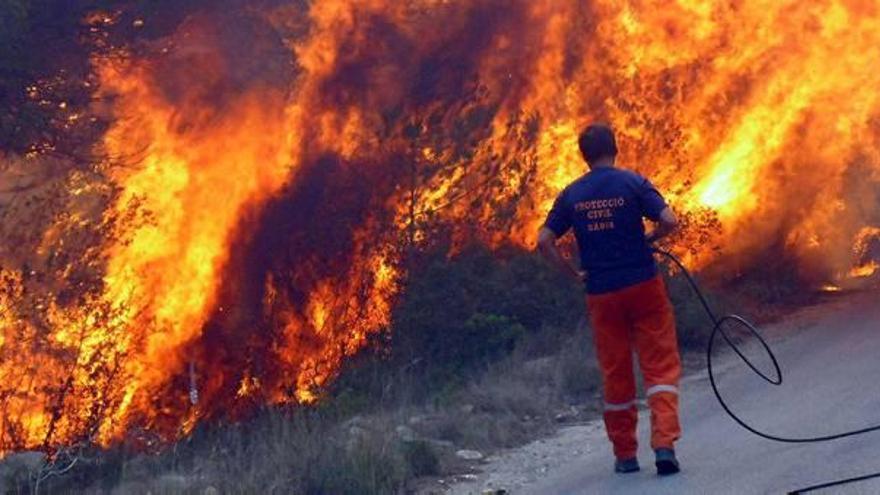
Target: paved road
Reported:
point(831, 362)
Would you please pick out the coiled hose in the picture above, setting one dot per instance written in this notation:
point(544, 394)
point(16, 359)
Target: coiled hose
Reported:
point(774, 379)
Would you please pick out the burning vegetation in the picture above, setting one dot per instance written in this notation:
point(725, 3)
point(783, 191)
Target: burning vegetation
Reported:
point(246, 219)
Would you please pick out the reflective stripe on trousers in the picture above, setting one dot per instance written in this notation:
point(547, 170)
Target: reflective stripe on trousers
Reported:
point(656, 389)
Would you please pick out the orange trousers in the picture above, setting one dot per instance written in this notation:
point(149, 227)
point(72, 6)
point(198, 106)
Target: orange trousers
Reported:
point(637, 318)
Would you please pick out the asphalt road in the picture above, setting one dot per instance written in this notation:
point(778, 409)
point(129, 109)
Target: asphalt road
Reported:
point(831, 368)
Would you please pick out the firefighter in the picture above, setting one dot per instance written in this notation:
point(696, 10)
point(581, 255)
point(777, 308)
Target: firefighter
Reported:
point(627, 301)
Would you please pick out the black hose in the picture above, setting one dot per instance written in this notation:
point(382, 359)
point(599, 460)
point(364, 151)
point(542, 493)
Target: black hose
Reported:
point(777, 380)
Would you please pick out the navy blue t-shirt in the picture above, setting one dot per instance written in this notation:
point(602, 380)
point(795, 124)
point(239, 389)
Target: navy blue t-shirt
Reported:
point(605, 209)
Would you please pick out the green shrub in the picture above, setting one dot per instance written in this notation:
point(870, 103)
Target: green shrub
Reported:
point(374, 466)
point(576, 370)
point(464, 313)
point(692, 323)
point(421, 458)
point(463, 316)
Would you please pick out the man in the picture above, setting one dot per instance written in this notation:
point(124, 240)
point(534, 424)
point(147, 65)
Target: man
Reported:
point(628, 305)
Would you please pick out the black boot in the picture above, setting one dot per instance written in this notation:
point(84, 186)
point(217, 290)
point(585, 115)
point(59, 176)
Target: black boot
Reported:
point(666, 462)
point(624, 466)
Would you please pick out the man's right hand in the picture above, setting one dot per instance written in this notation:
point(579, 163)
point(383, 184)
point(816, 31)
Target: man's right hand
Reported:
point(666, 224)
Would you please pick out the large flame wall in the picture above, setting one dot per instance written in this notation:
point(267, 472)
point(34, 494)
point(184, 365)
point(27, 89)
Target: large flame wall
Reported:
point(267, 172)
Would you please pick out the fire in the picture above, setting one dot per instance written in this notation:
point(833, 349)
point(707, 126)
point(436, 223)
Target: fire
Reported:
point(168, 268)
point(865, 270)
point(266, 174)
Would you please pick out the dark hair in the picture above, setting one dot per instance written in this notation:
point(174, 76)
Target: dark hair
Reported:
point(597, 141)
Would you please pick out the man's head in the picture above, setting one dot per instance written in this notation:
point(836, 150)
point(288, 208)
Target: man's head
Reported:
point(598, 145)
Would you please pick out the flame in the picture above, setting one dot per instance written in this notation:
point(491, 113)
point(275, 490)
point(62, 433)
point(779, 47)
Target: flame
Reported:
point(266, 175)
point(865, 270)
point(830, 288)
point(865, 249)
point(164, 277)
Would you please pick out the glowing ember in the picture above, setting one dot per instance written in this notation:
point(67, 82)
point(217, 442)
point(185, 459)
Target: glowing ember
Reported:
point(865, 270)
